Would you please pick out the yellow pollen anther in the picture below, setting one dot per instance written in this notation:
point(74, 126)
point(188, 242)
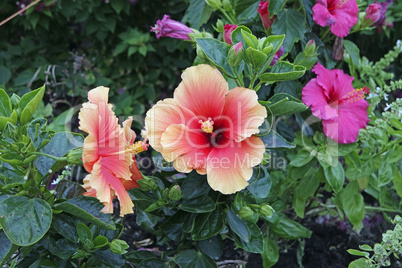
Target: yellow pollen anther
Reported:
point(138, 147)
point(207, 126)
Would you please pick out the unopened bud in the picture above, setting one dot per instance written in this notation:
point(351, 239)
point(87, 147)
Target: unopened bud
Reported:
point(175, 193)
point(235, 54)
point(268, 49)
point(246, 213)
point(266, 210)
point(74, 157)
point(201, 54)
point(216, 4)
point(220, 26)
point(147, 184)
point(227, 5)
point(310, 48)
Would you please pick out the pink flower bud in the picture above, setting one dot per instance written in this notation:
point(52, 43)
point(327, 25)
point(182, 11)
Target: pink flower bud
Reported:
point(278, 54)
point(264, 14)
point(237, 47)
point(376, 13)
point(171, 28)
point(227, 32)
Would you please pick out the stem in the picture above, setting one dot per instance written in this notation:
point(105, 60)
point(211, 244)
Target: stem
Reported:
point(19, 12)
point(325, 34)
point(252, 81)
point(238, 81)
point(50, 156)
point(382, 209)
point(231, 21)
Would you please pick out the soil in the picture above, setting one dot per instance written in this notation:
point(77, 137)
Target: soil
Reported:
point(326, 247)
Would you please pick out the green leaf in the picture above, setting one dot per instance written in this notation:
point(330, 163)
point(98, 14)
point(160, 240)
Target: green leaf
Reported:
point(193, 259)
point(237, 225)
point(88, 209)
point(118, 5)
point(154, 263)
point(212, 246)
point(260, 183)
point(397, 181)
point(359, 263)
point(37, 133)
point(275, 6)
point(302, 158)
point(254, 57)
point(284, 104)
point(147, 220)
point(62, 122)
point(66, 189)
point(291, 23)
point(62, 248)
point(274, 140)
point(5, 75)
point(270, 256)
point(66, 226)
point(60, 145)
point(289, 229)
point(246, 10)
point(208, 225)
point(353, 52)
point(352, 203)
point(25, 221)
point(385, 174)
point(197, 14)
point(335, 177)
point(283, 71)
point(84, 235)
point(356, 252)
point(109, 258)
point(217, 52)
point(136, 256)
point(256, 243)
point(118, 246)
point(5, 103)
point(200, 204)
point(29, 103)
point(7, 248)
point(195, 185)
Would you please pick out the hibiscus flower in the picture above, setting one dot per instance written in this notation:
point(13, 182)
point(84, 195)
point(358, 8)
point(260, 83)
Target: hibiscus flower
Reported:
point(264, 15)
point(333, 99)
point(210, 129)
point(340, 15)
point(108, 153)
point(171, 28)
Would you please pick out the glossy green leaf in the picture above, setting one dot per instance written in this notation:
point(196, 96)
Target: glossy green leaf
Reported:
point(212, 246)
point(353, 52)
point(61, 144)
point(38, 134)
point(25, 221)
point(88, 209)
point(153, 263)
point(352, 203)
point(217, 52)
point(208, 225)
point(283, 71)
point(66, 226)
point(284, 104)
point(302, 158)
point(356, 252)
point(195, 185)
point(7, 248)
point(275, 6)
point(5, 75)
point(274, 140)
point(109, 258)
point(29, 103)
point(256, 242)
point(359, 263)
point(260, 183)
point(385, 174)
point(62, 248)
point(200, 204)
point(66, 189)
point(237, 225)
point(254, 57)
point(5, 103)
point(118, 246)
point(137, 256)
point(84, 235)
point(118, 5)
point(197, 14)
point(147, 220)
point(193, 259)
point(335, 177)
point(291, 23)
point(270, 255)
point(289, 229)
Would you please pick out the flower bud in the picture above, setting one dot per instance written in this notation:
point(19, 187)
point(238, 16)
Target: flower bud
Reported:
point(227, 32)
point(227, 5)
point(310, 48)
point(266, 210)
point(216, 4)
point(219, 26)
point(268, 49)
point(147, 184)
point(74, 157)
point(235, 54)
point(246, 213)
point(175, 193)
point(201, 53)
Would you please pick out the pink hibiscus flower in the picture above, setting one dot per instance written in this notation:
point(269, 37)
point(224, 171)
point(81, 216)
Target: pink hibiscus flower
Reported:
point(210, 129)
point(227, 32)
point(340, 15)
point(108, 153)
point(171, 28)
point(332, 98)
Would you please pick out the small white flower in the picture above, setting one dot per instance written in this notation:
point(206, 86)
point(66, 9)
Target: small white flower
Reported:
point(371, 95)
point(386, 97)
point(387, 106)
point(50, 171)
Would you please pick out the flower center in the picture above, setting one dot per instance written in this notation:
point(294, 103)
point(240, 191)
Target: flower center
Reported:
point(356, 95)
point(207, 126)
point(138, 147)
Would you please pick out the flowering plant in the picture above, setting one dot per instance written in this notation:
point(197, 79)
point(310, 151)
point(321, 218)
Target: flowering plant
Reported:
point(279, 121)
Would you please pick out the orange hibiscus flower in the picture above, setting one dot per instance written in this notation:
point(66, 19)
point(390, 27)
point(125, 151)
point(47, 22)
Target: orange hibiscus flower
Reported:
point(210, 129)
point(108, 153)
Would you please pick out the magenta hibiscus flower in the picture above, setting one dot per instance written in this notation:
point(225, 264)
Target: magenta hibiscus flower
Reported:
point(333, 99)
point(171, 28)
point(340, 15)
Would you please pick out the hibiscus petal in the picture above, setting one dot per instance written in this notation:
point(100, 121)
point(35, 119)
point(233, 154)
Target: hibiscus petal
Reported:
point(229, 168)
point(347, 16)
point(128, 133)
point(187, 147)
point(242, 114)
point(106, 184)
point(202, 91)
point(163, 114)
point(313, 95)
point(345, 128)
point(321, 15)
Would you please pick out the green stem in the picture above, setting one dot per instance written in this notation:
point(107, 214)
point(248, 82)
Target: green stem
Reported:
point(231, 21)
point(238, 80)
point(383, 209)
point(325, 34)
point(252, 81)
point(50, 156)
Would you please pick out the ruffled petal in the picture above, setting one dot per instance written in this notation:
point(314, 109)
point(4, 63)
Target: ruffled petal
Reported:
point(229, 168)
point(313, 95)
point(347, 16)
point(242, 114)
point(202, 91)
point(321, 15)
point(163, 114)
point(128, 133)
point(187, 147)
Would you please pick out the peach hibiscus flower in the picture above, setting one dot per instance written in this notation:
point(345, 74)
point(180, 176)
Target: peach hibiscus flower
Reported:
point(210, 129)
point(108, 153)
